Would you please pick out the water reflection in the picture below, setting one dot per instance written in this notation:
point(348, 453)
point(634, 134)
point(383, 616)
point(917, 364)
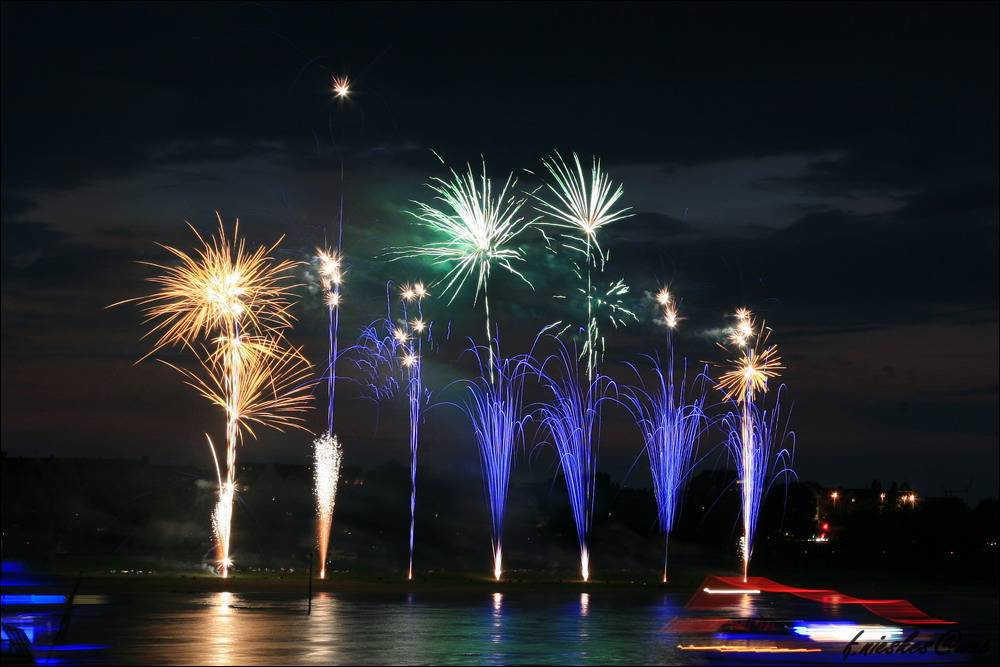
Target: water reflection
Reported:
point(496, 636)
point(322, 641)
point(417, 628)
point(746, 605)
point(220, 630)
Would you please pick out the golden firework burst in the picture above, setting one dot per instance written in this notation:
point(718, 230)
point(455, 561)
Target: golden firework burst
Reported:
point(219, 288)
point(750, 372)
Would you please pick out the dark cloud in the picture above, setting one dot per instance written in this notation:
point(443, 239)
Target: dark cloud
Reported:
point(651, 227)
point(941, 418)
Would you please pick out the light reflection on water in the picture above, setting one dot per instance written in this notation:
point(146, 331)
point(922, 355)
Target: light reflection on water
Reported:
point(414, 628)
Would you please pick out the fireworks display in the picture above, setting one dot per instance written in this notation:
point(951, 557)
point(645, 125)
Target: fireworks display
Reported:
point(596, 271)
point(572, 419)
point(327, 456)
point(582, 207)
point(478, 226)
point(230, 307)
point(495, 411)
point(752, 429)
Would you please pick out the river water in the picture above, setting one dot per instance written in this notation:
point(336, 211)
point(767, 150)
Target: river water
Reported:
point(521, 627)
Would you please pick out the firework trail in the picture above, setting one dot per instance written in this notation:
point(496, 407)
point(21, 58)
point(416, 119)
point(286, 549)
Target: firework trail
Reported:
point(671, 422)
point(411, 340)
point(583, 206)
point(327, 451)
point(230, 308)
point(751, 428)
point(495, 411)
point(572, 419)
point(329, 268)
point(331, 274)
point(327, 457)
point(478, 229)
point(393, 360)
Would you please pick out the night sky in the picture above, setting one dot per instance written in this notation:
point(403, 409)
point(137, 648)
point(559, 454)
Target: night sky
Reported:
point(833, 167)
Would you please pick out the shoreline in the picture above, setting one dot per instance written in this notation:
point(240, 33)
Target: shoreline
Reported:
point(300, 584)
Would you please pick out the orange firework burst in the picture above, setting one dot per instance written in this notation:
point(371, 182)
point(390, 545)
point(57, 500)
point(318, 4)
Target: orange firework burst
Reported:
point(220, 288)
point(272, 387)
point(750, 373)
point(755, 366)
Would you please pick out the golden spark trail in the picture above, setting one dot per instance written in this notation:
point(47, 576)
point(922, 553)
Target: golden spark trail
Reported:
point(327, 457)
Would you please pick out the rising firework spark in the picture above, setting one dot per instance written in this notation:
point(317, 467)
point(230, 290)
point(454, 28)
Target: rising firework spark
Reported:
point(582, 207)
point(572, 419)
point(341, 87)
point(478, 229)
point(327, 456)
point(751, 435)
point(671, 423)
point(495, 411)
point(238, 303)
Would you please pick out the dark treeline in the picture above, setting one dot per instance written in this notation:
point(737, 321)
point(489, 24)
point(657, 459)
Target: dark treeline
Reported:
point(115, 514)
